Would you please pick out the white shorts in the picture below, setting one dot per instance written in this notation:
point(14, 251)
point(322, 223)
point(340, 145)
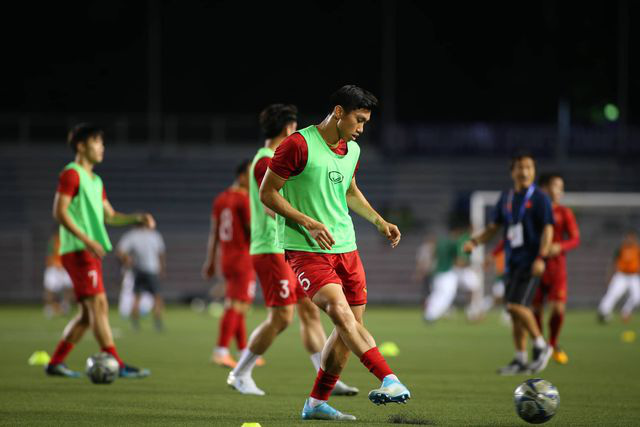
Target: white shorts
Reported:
point(56, 279)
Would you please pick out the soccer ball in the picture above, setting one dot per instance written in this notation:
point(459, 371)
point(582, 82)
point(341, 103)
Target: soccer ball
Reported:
point(536, 400)
point(102, 368)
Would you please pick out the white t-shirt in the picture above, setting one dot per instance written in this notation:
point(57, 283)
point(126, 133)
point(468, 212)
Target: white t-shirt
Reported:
point(144, 246)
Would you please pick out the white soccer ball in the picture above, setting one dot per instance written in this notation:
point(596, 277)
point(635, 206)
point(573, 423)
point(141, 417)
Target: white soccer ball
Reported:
point(102, 368)
point(536, 400)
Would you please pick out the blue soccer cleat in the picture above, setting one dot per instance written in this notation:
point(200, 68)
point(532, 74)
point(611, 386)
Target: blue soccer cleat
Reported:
point(132, 372)
point(61, 370)
point(324, 412)
point(391, 391)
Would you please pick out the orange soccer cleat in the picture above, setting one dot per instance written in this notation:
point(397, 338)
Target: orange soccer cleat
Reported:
point(560, 356)
point(225, 360)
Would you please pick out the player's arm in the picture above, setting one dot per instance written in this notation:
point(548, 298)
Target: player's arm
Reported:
point(61, 204)
point(271, 198)
point(209, 266)
point(360, 205)
point(573, 233)
point(117, 219)
point(482, 237)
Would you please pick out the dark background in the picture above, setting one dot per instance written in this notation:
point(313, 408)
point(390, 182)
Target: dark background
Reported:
point(454, 61)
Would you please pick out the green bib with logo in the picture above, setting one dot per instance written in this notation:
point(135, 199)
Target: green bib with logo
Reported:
point(263, 226)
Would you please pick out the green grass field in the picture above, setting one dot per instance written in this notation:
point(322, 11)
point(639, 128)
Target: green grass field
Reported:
point(449, 368)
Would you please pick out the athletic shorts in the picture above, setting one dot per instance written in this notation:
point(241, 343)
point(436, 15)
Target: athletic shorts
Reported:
point(56, 279)
point(85, 271)
point(554, 290)
point(521, 285)
point(145, 282)
point(240, 284)
point(315, 270)
point(279, 284)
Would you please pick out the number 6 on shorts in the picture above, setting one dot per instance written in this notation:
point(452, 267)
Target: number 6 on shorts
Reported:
point(304, 282)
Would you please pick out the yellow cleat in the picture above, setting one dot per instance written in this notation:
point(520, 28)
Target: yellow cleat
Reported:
point(560, 356)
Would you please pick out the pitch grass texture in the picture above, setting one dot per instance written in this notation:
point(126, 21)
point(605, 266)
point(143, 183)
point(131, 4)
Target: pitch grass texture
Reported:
point(449, 368)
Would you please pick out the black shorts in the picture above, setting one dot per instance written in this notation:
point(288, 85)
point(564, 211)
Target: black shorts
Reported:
point(521, 286)
point(145, 282)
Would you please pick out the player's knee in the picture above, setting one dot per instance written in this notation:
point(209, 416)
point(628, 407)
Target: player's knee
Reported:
point(341, 314)
point(281, 317)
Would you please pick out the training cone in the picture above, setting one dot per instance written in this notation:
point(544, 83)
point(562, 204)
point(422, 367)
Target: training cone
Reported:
point(251, 425)
point(39, 358)
point(389, 349)
point(628, 336)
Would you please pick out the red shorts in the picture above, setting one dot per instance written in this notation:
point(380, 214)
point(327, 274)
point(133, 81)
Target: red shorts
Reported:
point(314, 270)
point(240, 284)
point(279, 284)
point(85, 271)
point(551, 290)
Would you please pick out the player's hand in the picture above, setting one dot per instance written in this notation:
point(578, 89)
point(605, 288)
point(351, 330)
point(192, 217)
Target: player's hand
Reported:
point(390, 231)
point(320, 234)
point(208, 270)
point(468, 246)
point(148, 221)
point(95, 248)
point(555, 249)
point(537, 269)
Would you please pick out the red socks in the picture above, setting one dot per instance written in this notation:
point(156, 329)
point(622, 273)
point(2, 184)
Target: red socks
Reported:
point(112, 351)
point(228, 326)
point(555, 323)
point(241, 332)
point(324, 385)
point(62, 350)
point(375, 363)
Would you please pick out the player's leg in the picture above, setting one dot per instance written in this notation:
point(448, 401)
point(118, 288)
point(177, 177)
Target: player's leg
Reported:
point(442, 295)
point(470, 281)
point(227, 330)
point(135, 309)
point(158, 312)
point(538, 305)
point(240, 334)
point(615, 291)
point(71, 335)
point(633, 300)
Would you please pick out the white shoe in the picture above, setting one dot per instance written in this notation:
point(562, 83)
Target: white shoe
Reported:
point(244, 384)
point(542, 359)
point(342, 389)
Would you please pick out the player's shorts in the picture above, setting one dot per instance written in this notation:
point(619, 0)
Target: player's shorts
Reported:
point(240, 284)
point(315, 270)
point(521, 285)
point(551, 290)
point(145, 282)
point(279, 285)
point(56, 279)
point(85, 271)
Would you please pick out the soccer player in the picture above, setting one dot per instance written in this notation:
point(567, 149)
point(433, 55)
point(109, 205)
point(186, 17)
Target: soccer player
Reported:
point(553, 286)
point(142, 249)
point(525, 212)
point(56, 280)
point(281, 290)
point(311, 185)
point(625, 279)
point(82, 209)
point(230, 225)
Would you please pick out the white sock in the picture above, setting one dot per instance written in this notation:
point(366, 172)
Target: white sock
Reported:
point(391, 377)
point(521, 356)
point(539, 342)
point(313, 402)
point(316, 358)
point(221, 351)
point(246, 363)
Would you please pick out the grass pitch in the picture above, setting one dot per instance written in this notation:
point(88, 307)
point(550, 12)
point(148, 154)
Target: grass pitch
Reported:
point(449, 368)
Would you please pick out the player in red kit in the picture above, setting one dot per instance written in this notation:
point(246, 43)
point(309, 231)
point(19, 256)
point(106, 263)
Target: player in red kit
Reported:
point(230, 231)
point(553, 286)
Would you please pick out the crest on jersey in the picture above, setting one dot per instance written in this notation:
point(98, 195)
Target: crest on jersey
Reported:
point(335, 177)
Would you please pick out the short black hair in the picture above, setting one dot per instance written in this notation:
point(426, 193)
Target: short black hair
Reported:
point(352, 97)
point(546, 178)
point(242, 167)
point(515, 158)
point(82, 132)
point(275, 117)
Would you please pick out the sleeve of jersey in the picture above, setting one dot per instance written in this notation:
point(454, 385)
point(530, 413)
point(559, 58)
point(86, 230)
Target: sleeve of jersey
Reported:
point(497, 216)
point(260, 169)
point(68, 183)
point(290, 157)
point(572, 231)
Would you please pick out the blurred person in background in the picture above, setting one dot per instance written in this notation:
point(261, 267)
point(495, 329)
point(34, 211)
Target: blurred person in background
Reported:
point(142, 250)
point(553, 286)
point(625, 279)
point(57, 283)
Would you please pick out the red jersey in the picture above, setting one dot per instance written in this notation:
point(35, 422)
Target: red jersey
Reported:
point(567, 234)
point(233, 218)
